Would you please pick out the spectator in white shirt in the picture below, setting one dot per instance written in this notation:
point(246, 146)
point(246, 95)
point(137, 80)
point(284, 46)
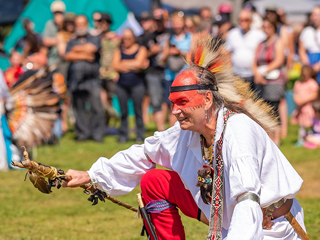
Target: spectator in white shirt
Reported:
point(242, 43)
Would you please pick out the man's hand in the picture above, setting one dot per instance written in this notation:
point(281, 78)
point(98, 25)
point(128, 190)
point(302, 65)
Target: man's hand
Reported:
point(155, 49)
point(266, 223)
point(78, 178)
point(316, 67)
point(174, 51)
point(76, 56)
point(87, 48)
point(89, 57)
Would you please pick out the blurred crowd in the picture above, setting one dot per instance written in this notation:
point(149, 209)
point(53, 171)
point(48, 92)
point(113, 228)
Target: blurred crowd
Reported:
point(97, 65)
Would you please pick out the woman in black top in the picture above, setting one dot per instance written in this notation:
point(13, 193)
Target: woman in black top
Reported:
point(129, 60)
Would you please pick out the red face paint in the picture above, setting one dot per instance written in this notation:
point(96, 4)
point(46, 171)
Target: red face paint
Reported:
point(185, 99)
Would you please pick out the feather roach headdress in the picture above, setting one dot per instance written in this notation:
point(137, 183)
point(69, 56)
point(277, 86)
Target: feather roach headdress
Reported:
point(211, 55)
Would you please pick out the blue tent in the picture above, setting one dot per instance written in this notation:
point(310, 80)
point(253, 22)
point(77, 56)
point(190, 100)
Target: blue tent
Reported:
point(39, 12)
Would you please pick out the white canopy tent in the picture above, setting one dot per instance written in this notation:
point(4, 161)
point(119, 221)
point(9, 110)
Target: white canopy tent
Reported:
point(296, 9)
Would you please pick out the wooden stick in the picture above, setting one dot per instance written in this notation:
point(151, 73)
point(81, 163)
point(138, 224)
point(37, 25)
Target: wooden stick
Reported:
point(296, 226)
point(92, 189)
point(52, 173)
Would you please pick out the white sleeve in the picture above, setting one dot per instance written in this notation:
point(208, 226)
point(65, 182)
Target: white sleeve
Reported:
point(162, 146)
point(120, 174)
point(246, 222)
point(303, 35)
point(263, 36)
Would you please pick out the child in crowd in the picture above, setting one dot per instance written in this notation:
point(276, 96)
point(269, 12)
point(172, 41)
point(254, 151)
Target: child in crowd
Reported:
point(305, 91)
point(313, 139)
point(15, 70)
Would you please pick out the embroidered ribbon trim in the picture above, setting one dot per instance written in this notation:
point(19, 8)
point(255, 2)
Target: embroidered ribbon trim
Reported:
point(157, 206)
point(216, 211)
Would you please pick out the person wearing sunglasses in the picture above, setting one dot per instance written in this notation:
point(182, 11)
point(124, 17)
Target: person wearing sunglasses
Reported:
point(97, 18)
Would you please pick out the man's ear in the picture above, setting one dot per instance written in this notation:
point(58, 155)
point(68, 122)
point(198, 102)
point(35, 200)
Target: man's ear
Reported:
point(208, 100)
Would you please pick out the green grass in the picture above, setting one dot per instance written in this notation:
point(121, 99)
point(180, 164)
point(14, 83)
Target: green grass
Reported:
point(26, 213)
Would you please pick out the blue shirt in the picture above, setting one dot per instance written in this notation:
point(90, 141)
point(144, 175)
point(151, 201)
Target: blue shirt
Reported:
point(183, 45)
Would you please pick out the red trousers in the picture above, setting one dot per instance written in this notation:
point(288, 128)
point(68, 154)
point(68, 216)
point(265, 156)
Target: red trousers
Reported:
point(162, 184)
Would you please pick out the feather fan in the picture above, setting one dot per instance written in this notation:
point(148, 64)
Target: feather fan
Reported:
point(35, 105)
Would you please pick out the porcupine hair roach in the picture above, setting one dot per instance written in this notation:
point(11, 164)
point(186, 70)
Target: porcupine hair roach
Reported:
point(209, 62)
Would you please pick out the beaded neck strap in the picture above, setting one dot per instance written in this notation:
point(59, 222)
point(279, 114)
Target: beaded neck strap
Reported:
point(216, 211)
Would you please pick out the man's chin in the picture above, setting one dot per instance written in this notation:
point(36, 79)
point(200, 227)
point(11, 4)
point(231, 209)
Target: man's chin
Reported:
point(184, 126)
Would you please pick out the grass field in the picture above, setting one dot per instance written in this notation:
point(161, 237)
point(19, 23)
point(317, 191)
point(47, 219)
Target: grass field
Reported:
point(26, 213)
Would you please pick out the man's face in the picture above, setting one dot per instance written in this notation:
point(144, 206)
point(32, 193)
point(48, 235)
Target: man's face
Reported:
point(177, 25)
point(268, 28)
point(128, 38)
point(16, 59)
point(272, 15)
point(105, 27)
point(187, 106)
point(96, 20)
point(205, 15)
point(58, 18)
point(81, 25)
point(189, 26)
point(315, 16)
point(245, 20)
point(147, 24)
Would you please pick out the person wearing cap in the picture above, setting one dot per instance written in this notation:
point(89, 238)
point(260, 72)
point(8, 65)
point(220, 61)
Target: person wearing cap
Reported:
point(84, 82)
point(271, 12)
point(147, 23)
point(51, 29)
point(225, 9)
point(242, 43)
point(223, 24)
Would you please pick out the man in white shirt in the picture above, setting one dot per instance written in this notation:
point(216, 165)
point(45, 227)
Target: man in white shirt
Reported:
point(203, 97)
point(242, 43)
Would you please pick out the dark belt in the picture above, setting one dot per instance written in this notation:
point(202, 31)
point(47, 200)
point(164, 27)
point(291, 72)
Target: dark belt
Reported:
point(283, 210)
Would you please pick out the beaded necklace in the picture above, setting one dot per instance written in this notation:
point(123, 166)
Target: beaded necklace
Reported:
point(207, 153)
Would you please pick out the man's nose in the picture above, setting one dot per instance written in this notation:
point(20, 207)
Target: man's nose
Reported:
point(175, 109)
